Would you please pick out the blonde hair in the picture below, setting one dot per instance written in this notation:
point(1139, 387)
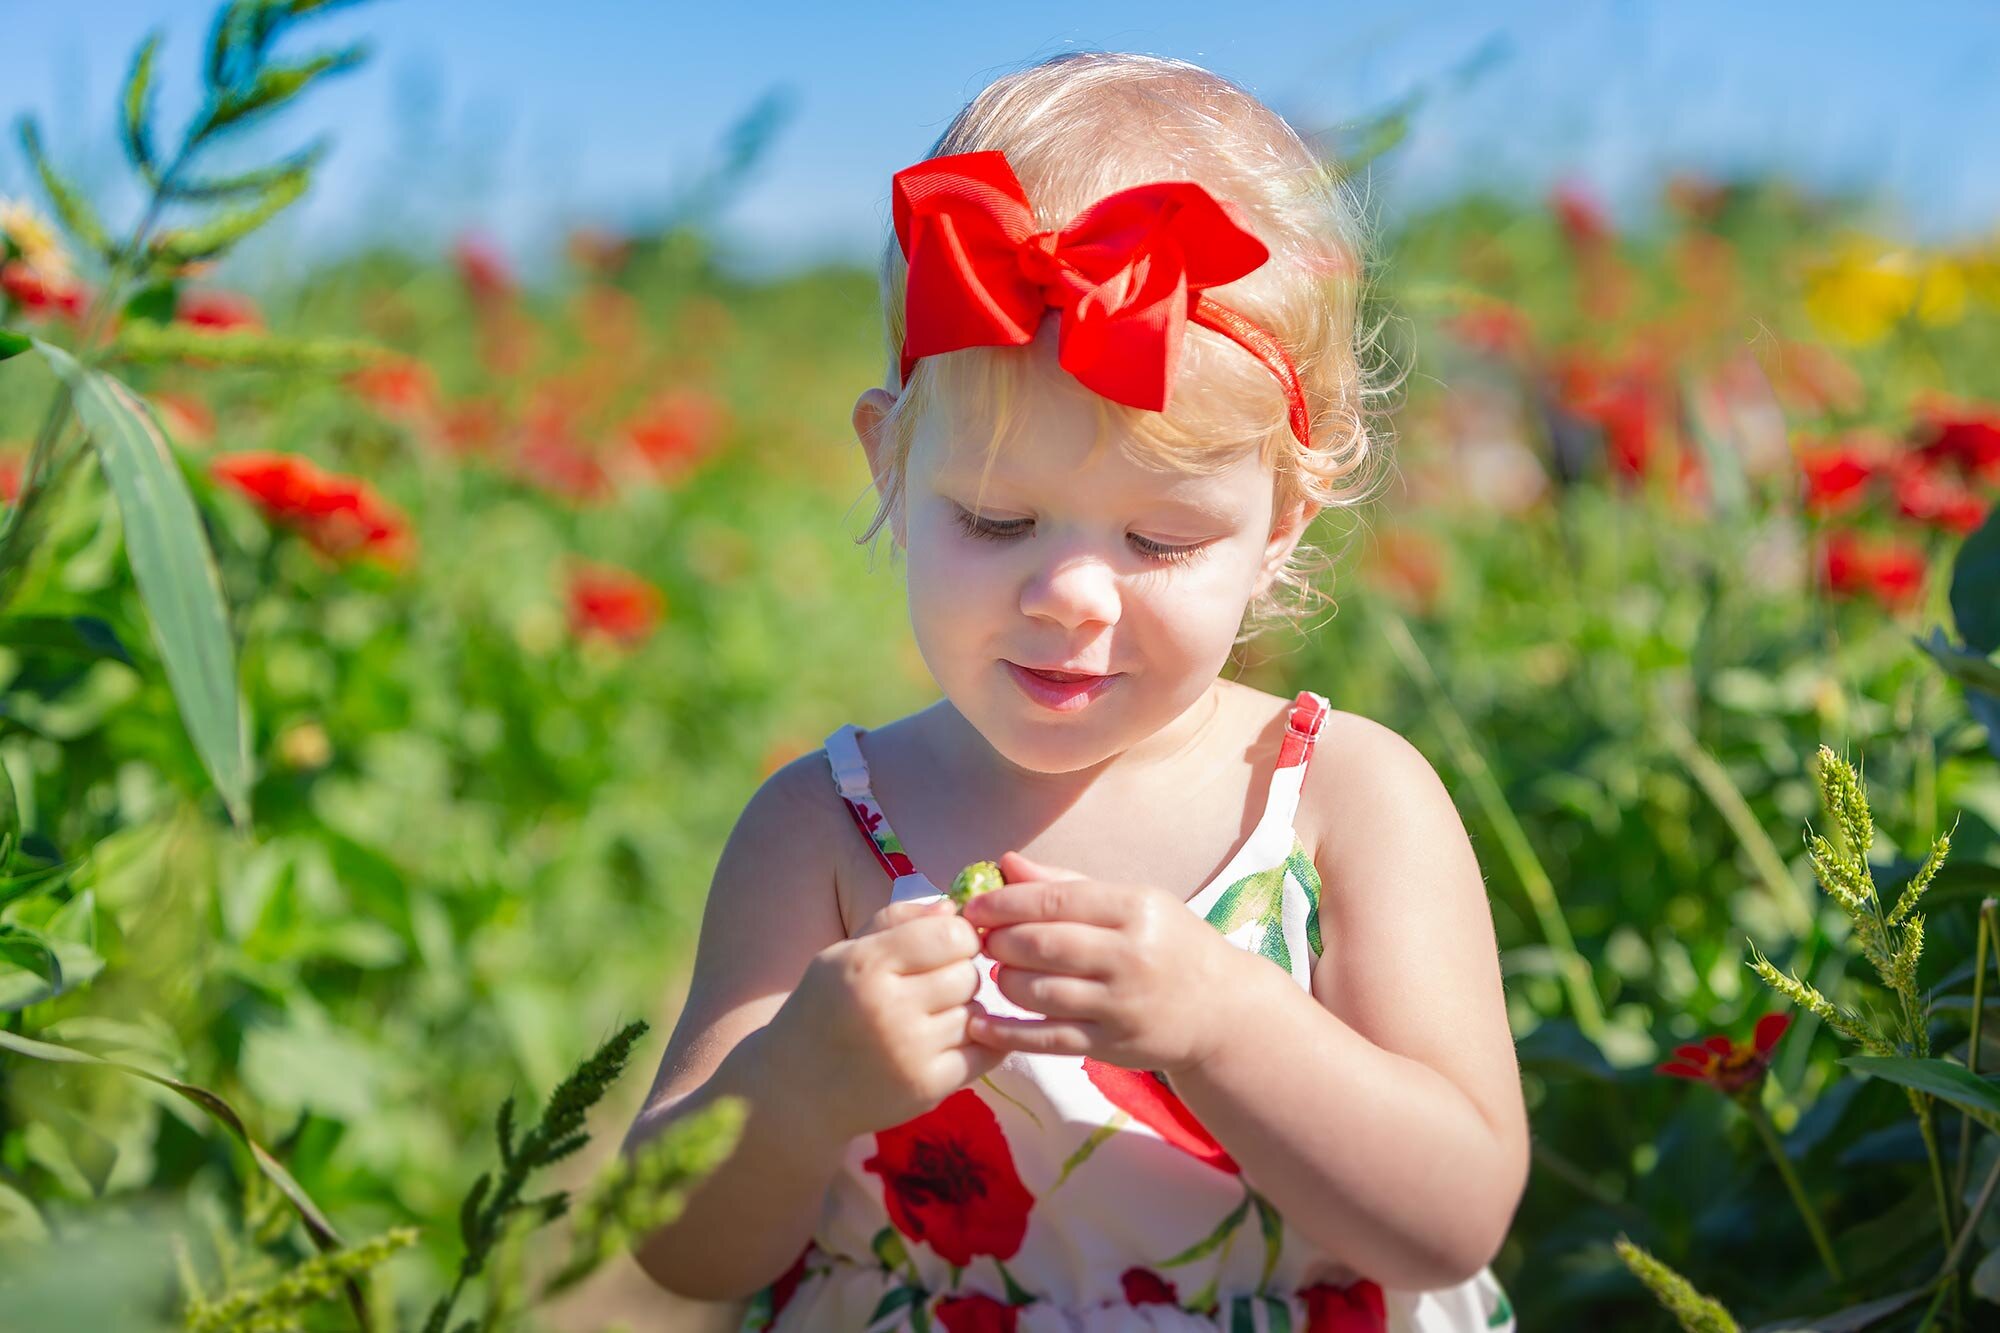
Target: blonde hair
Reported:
point(1081, 125)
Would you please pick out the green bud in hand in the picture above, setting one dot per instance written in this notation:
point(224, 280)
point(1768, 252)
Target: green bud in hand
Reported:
point(977, 878)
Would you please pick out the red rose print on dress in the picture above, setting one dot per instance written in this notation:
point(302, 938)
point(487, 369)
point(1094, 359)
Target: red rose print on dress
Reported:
point(1145, 1287)
point(1355, 1308)
point(1153, 1104)
point(975, 1314)
point(948, 1180)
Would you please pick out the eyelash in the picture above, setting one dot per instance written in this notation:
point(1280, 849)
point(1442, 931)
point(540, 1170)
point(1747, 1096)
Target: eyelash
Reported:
point(1173, 555)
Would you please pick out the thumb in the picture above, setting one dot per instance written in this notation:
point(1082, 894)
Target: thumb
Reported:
point(1015, 867)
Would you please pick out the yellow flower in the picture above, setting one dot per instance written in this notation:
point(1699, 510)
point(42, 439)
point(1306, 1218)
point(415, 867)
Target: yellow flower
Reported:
point(1860, 294)
point(1941, 292)
point(33, 238)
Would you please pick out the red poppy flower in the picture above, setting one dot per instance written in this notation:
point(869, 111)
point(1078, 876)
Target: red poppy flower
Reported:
point(613, 603)
point(1729, 1066)
point(483, 269)
point(39, 294)
point(1835, 478)
point(676, 429)
point(1924, 492)
point(217, 312)
point(10, 475)
point(1358, 1307)
point(1621, 400)
point(1147, 1099)
point(1889, 572)
point(341, 516)
point(1971, 443)
point(948, 1179)
point(1145, 1287)
point(976, 1313)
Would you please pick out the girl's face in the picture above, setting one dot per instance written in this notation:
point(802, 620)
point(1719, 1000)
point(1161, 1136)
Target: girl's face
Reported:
point(1103, 566)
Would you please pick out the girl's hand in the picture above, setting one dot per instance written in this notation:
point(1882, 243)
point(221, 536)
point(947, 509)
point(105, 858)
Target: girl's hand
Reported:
point(875, 1031)
point(1124, 973)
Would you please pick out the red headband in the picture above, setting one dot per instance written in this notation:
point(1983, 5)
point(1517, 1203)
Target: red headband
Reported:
point(1126, 273)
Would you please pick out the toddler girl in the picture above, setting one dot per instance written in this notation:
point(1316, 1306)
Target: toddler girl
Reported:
point(1096, 1100)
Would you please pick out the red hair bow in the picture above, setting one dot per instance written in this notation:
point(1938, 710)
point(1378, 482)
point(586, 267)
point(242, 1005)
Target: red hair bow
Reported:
point(1127, 274)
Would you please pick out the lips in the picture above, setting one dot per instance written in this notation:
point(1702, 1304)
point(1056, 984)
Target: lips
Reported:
point(1060, 690)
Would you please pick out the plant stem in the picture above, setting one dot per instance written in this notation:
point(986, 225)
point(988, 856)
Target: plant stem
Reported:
point(1776, 1148)
point(1723, 793)
point(1520, 853)
point(1951, 1260)
point(1972, 1045)
point(1927, 1126)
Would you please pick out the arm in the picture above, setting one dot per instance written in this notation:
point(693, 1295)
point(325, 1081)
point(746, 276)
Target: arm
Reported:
point(1403, 1043)
point(770, 910)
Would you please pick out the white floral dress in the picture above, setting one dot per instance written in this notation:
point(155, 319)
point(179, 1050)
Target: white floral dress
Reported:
point(1060, 1194)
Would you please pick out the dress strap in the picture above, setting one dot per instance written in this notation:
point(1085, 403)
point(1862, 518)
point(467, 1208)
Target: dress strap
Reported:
point(850, 774)
point(1309, 714)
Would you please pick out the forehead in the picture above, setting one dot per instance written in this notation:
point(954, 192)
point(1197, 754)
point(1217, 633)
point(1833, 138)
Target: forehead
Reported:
point(1049, 446)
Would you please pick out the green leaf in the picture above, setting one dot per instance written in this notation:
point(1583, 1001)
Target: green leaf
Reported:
point(174, 568)
point(274, 86)
point(177, 248)
point(136, 126)
point(13, 344)
point(1213, 1240)
point(894, 1301)
point(68, 636)
point(1974, 670)
point(10, 820)
point(1949, 1082)
point(223, 42)
point(78, 218)
point(255, 181)
point(317, 1225)
point(154, 303)
point(1975, 586)
point(30, 952)
point(468, 1211)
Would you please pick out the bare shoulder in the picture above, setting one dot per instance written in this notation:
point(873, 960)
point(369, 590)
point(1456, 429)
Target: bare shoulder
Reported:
point(771, 907)
point(1411, 960)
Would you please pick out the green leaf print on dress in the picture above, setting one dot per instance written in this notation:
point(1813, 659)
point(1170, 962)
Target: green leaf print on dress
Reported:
point(1257, 897)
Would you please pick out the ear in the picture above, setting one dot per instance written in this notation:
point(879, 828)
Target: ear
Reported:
point(870, 410)
point(1285, 535)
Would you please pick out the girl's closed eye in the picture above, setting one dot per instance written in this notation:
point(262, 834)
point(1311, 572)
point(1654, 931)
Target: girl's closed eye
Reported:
point(1001, 530)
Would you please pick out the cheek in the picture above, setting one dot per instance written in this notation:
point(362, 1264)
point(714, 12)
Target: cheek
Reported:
point(1192, 606)
point(951, 579)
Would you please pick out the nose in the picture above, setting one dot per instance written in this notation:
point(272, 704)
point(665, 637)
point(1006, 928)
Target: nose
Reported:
point(1072, 586)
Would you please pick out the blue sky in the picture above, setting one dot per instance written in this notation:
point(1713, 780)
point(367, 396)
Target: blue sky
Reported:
point(517, 119)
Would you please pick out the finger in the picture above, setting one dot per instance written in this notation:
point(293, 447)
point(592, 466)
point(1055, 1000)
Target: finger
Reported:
point(931, 942)
point(1053, 996)
point(898, 912)
point(968, 1061)
point(1089, 901)
point(946, 987)
point(1053, 946)
point(1035, 1036)
point(1015, 866)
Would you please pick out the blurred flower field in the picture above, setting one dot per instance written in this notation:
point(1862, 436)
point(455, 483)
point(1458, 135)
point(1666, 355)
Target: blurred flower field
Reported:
point(529, 585)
